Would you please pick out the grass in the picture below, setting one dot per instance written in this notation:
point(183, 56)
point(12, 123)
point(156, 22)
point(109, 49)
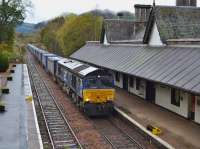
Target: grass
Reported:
point(2, 103)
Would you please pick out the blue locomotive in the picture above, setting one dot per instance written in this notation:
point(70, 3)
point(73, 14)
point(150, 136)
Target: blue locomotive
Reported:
point(91, 88)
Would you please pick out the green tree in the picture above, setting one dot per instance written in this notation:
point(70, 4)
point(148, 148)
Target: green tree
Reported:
point(65, 35)
point(48, 34)
point(12, 13)
point(4, 57)
point(77, 30)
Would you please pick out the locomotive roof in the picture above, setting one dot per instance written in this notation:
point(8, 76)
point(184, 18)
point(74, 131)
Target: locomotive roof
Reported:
point(77, 67)
point(74, 66)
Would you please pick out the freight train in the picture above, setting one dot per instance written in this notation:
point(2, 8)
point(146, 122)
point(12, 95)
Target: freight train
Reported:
point(90, 88)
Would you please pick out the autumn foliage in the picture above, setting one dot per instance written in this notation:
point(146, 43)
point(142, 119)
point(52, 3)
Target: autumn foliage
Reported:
point(64, 35)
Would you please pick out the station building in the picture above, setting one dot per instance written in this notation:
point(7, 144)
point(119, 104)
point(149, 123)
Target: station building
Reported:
point(157, 59)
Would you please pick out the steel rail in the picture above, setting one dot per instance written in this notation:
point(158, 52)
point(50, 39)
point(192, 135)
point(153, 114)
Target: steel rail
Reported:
point(128, 136)
point(39, 101)
point(58, 108)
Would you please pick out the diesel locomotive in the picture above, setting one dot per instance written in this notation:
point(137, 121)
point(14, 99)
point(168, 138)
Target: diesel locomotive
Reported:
point(90, 88)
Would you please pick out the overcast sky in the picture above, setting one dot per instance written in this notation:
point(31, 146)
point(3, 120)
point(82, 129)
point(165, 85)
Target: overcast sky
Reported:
point(47, 9)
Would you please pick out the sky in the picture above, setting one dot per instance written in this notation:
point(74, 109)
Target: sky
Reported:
point(47, 9)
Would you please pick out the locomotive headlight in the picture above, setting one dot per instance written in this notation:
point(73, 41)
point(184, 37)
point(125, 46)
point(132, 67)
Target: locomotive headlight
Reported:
point(109, 98)
point(87, 99)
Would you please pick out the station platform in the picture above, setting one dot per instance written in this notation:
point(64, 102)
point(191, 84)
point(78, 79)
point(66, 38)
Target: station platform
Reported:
point(18, 124)
point(179, 132)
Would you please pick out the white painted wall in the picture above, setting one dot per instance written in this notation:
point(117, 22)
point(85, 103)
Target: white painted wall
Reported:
point(197, 110)
point(163, 98)
point(155, 39)
point(141, 92)
point(105, 40)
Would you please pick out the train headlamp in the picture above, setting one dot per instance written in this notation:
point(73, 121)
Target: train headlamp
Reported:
point(87, 99)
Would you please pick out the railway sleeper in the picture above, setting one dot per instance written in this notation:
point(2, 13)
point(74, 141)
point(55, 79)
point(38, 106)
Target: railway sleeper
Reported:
point(64, 141)
point(62, 135)
point(57, 125)
point(68, 146)
point(57, 131)
point(54, 119)
point(63, 138)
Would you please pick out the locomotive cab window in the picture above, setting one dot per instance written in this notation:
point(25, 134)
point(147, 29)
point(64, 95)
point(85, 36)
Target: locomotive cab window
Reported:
point(105, 82)
point(91, 83)
point(102, 82)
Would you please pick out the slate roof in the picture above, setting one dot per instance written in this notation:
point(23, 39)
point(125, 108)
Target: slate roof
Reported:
point(122, 30)
point(174, 22)
point(175, 66)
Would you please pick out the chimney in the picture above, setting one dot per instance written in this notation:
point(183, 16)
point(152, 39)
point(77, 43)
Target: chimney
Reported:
point(142, 12)
point(186, 3)
point(120, 15)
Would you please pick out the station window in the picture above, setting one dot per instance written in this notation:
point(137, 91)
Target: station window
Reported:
point(131, 81)
point(138, 83)
point(117, 76)
point(175, 97)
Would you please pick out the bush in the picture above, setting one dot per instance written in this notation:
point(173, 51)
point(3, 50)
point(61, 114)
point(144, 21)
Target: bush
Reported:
point(2, 106)
point(4, 63)
point(5, 54)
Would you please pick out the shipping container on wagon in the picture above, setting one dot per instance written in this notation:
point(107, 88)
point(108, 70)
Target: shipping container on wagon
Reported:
point(45, 59)
point(52, 64)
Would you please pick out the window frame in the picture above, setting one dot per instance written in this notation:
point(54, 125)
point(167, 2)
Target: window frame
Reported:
point(176, 97)
point(131, 81)
point(138, 83)
point(117, 76)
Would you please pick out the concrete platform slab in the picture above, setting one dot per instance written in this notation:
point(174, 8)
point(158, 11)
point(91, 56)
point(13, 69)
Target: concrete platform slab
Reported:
point(177, 131)
point(17, 122)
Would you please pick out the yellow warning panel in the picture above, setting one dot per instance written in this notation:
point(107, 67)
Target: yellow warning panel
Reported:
point(98, 95)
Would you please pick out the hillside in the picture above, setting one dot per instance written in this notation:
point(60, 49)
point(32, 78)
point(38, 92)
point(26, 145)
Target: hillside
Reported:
point(26, 28)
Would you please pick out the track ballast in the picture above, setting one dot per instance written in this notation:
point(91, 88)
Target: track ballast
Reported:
point(60, 133)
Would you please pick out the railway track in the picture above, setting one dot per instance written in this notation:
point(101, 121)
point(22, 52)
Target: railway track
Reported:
point(41, 122)
point(117, 133)
point(59, 131)
point(117, 137)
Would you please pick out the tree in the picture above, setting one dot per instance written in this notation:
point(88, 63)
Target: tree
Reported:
point(4, 57)
point(12, 13)
point(48, 34)
point(77, 30)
